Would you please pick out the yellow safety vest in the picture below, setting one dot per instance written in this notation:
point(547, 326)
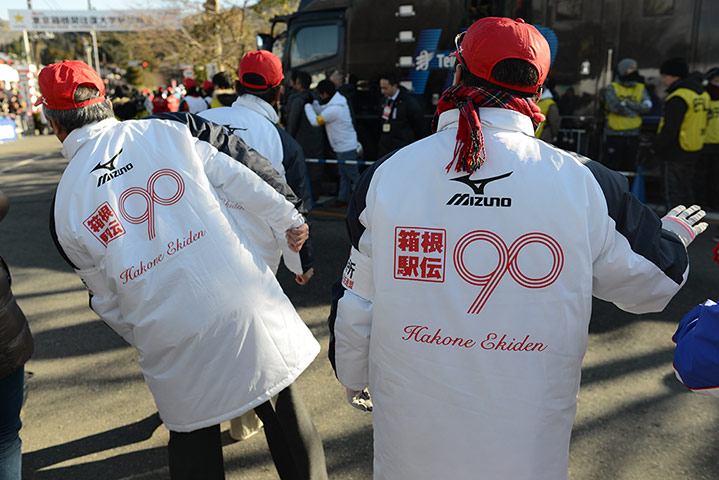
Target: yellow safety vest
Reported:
point(694, 126)
point(543, 105)
point(712, 123)
point(620, 122)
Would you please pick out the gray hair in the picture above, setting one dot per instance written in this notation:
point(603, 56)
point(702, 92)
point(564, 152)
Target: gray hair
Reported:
point(74, 118)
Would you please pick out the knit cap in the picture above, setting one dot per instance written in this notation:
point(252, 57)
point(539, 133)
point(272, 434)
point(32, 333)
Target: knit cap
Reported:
point(625, 65)
point(675, 66)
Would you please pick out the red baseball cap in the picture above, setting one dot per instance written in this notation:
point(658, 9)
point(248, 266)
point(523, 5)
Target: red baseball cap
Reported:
point(263, 63)
point(492, 39)
point(189, 82)
point(59, 81)
point(206, 85)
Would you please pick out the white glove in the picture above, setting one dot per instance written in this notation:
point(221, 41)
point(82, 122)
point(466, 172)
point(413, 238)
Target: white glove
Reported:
point(684, 222)
point(361, 400)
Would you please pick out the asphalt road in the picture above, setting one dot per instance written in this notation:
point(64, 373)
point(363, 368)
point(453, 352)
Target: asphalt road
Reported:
point(89, 414)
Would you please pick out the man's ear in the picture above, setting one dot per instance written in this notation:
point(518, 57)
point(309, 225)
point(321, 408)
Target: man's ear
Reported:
point(52, 123)
point(277, 96)
point(59, 132)
point(458, 75)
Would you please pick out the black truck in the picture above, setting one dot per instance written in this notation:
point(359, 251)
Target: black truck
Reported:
point(413, 39)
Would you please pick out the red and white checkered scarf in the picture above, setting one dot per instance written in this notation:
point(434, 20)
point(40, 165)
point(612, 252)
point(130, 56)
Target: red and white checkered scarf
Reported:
point(469, 153)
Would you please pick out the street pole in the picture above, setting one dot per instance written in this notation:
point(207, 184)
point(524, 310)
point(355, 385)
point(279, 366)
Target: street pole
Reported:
point(94, 42)
point(213, 7)
point(87, 49)
point(94, 50)
point(26, 87)
point(25, 39)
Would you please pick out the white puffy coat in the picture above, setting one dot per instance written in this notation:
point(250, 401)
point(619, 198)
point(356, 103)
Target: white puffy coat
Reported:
point(469, 297)
point(337, 120)
point(138, 213)
point(254, 121)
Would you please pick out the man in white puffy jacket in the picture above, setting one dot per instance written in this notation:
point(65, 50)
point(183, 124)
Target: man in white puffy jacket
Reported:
point(141, 213)
point(253, 118)
point(465, 302)
point(334, 114)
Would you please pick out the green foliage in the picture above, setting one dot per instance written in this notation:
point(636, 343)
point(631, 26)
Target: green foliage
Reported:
point(14, 49)
point(281, 6)
point(134, 76)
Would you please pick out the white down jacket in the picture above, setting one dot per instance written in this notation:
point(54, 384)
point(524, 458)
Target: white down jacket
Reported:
point(468, 298)
point(255, 122)
point(139, 213)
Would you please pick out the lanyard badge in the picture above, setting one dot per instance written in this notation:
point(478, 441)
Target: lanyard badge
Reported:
point(387, 112)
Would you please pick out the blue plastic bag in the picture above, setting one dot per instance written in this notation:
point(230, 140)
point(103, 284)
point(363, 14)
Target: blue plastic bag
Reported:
point(696, 357)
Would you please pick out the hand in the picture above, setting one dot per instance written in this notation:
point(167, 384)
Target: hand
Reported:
point(305, 277)
point(684, 222)
point(296, 237)
point(361, 400)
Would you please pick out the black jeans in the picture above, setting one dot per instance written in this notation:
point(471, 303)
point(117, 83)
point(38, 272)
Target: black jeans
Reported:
point(621, 153)
point(679, 179)
point(11, 393)
point(294, 443)
point(196, 455)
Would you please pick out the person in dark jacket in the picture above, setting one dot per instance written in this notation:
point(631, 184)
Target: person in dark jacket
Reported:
point(706, 177)
point(402, 119)
point(16, 347)
point(681, 130)
point(310, 138)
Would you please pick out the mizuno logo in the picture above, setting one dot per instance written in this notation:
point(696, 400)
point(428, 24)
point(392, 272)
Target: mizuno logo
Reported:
point(478, 199)
point(112, 172)
point(478, 185)
point(106, 177)
point(232, 129)
point(109, 165)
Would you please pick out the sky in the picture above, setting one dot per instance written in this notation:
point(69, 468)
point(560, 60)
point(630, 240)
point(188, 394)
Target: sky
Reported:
point(76, 5)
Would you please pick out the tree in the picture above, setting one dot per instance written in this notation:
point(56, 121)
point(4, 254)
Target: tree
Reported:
point(220, 37)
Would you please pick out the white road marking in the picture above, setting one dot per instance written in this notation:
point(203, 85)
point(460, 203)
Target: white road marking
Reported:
point(19, 164)
point(26, 161)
